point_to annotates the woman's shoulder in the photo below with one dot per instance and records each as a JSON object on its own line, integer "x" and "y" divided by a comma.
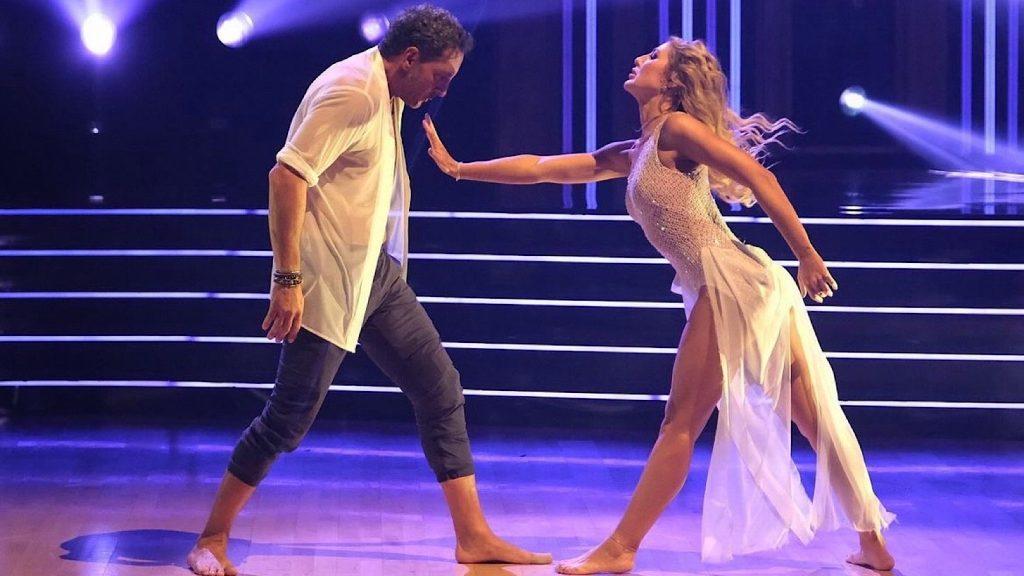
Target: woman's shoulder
{"x": 680, "y": 134}
{"x": 680, "y": 125}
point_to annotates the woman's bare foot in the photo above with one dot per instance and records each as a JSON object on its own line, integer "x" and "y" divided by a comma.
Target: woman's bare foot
{"x": 490, "y": 549}
{"x": 873, "y": 553}
{"x": 209, "y": 557}
{"x": 610, "y": 557}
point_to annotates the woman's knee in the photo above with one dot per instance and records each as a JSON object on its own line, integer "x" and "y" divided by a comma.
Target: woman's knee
{"x": 678, "y": 425}
{"x": 803, "y": 409}
{"x": 809, "y": 430}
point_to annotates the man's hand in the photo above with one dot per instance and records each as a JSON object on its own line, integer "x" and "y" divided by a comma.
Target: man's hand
{"x": 284, "y": 319}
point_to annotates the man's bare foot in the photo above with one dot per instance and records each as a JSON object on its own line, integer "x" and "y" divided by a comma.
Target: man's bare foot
{"x": 610, "y": 557}
{"x": 209, "y": 557}
{"x": 490, "y": 549}
{"x": 873, "y": 553}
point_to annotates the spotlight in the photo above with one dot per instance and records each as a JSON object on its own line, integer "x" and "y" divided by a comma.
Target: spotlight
{"x": 853, "y": 100}
{"x": 373, "y": 27}
{"x": 234, "y": 29}
{"x": 98, "y": 34}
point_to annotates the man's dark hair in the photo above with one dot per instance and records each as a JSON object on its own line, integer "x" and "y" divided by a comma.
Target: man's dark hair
{"x": 435, "y": 31}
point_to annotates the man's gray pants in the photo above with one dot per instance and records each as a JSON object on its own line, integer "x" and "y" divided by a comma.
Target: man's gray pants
{"x": 401, "y": 340}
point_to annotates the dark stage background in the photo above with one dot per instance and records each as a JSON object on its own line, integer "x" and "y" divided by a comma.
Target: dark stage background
{"x": 184, "y": 119}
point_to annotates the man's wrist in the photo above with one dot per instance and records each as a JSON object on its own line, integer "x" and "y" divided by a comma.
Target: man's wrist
{"x": 287, "y": 278}
{"x": 806, "y": 252}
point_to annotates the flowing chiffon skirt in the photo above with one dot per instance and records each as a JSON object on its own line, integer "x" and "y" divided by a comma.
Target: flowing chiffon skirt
{"x": 754, "y": 498}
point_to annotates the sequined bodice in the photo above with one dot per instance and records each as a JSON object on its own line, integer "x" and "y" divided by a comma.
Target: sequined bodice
{"x": 676, "y": 211}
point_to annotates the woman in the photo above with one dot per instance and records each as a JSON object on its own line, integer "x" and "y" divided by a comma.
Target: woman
{"x": 748, "y": 345}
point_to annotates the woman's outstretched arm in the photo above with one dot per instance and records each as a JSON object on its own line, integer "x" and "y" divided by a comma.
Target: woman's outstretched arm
{"x": 611, "y": 161}
{"x": 696, "y": 141}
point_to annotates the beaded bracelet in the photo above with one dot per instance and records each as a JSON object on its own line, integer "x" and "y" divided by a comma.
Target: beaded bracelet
{"x": 287, "y": 279}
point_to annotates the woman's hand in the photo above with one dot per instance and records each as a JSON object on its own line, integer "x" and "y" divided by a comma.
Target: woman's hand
{"x": 438, "y": 152}
{"x": 814, "y": 279}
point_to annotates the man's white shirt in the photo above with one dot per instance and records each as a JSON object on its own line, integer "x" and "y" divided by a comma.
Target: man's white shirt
{"x": 345, "y": 141}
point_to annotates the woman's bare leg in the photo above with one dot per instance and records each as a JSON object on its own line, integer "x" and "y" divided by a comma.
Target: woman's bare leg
{"x": 689, "y": 408}
{"x": 873, "y": 552}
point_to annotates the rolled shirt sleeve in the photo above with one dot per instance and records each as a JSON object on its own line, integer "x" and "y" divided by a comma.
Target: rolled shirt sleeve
{"x": 335, "y": 121}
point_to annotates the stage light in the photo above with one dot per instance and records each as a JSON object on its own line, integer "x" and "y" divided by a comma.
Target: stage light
{"x": 853, "y": 100}
{"x": 944, "y": 144}
{"x": 233, "y": 29}
{"x": 98, "y": 34}
{"x": 373, "y": 27}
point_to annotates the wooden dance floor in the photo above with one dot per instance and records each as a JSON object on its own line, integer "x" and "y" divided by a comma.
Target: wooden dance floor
{"x": 128, "y": 500}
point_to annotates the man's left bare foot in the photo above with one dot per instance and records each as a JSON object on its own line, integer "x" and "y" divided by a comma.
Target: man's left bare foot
{"x": 209, "y": 557}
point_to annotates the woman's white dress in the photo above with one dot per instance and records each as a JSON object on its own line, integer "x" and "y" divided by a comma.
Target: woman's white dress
{"x": 754, "y": 497}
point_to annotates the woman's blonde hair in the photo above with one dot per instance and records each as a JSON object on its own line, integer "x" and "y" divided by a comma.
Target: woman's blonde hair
{"x": 696, "y": 85}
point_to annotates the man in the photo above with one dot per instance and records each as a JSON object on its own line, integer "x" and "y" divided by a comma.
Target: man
{"x": 338, "y": 193}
